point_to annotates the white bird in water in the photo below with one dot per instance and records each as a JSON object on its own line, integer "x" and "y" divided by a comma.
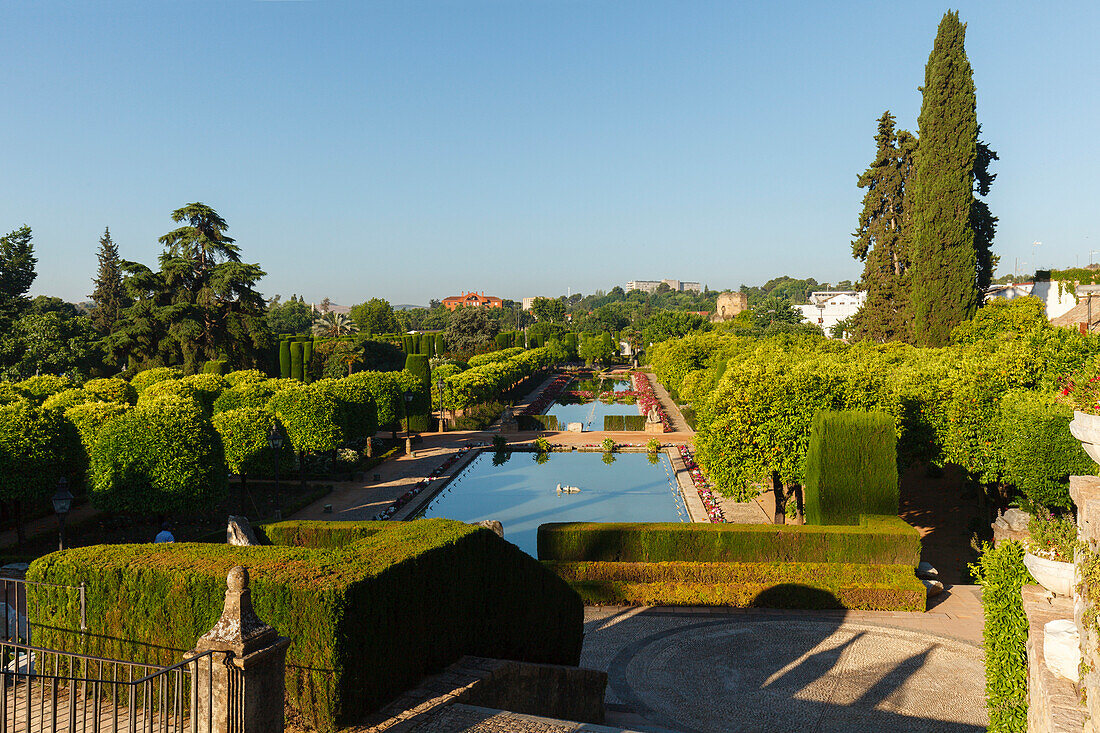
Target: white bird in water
{"x": 568, "y": 489}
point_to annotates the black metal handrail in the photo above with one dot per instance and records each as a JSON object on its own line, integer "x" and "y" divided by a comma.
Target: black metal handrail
{"x": 15, "y": 596}
{"x": 135, "y": 696}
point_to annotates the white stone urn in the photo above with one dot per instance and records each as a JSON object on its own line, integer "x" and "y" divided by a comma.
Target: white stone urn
{"x": 1054, "y": 575}
{"x": 1086, "y": 428}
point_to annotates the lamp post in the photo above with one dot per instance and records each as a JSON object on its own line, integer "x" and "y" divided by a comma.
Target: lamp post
{"x": 275, "y": 442}
{"x": 409, "y": 395}
{"x": 62, "y": 503}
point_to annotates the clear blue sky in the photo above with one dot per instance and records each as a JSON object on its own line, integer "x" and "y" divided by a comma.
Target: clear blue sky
{"x": 412, "y": 149}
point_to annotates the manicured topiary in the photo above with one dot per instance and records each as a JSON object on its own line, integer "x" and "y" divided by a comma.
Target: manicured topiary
{"x": 310, "y": 417}
{"x": 216, "y": 366}
{"x": 1001, "y": 573}
{"x": 366, "y": 622}
{"x": 851, "y": 467}
{"x": 207, "y": 388}
{"x": 66, "y": 399}
{"x": 296, "y": 363}
{"x": 170, "y": 388}
{"x": 37, "y": 447}
{"x": 357, "y": 414}
{"x": 876, "y": 540}
{"x": 284, "y": 359}
{"x": 244, "y": 434}
{"x": 90, "y": 417}
{"x": 163, "y": 457}
{"x": 440, "y": 345}
{"x": 421, "y": 407}
{"x": 248, "y": 394}
{"x": 112, "y": 390}
{"x": 39, "y": 387}
{"x": 307, "y": 359}
{"x": 9, "y": 394}
{"x": 143, "y": 379}
{"x": 743, "y": 585}
{"x": 387, "y": 389}
{"x": 322, "y": 535}
{"x": 245, "y": 376}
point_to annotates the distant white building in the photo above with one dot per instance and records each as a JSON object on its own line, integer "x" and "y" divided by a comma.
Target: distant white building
{"x": 650, "y": 286}
{"x": 829, "y": 307}
{"x": 529, "y": 303}
{"x": 1058, "y": 301}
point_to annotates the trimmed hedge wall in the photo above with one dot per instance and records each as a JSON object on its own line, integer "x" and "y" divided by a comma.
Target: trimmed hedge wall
{"x": 366, "y": 623}
{"x": 538, "y": 422}
{"x": 877, "y": 540}
{"x": 325, "y": 535}
{"x": 744, "y": 585}
{"x": 1001, "y": 573}
{"x": 851, "y": 467}
{"x": 624, "y": 422}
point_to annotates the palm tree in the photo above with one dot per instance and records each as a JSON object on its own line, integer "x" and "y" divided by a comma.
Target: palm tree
{"x": 334, "y": 324}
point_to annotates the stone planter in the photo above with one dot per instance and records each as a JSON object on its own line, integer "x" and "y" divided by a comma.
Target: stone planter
{"x": 1055, "y": 576}
{"x": 1086, "y": 428}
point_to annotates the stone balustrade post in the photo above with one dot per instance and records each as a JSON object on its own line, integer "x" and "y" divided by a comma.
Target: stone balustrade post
{"x": 247, "y": 676}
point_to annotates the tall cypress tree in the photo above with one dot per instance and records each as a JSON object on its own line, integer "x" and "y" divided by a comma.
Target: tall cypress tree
{"x": 109, "y": 296}
{"x": 882, "y": 241}
{"x": 945, "y": 270}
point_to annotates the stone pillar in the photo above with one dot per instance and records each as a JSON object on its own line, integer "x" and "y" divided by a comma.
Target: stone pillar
{"x": 248, "y": 670}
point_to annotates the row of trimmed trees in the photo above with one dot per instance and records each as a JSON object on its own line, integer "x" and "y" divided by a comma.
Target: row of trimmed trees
{"x": 163, "y": 442}
{"x": 988, "y": 403}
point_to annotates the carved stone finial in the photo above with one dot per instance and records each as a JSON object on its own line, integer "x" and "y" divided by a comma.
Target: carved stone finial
{"x": 237, "y": 580}
{"x": 238, "y": 630}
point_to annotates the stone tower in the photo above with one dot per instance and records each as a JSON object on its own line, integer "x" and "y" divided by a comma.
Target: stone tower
{"x": 729, "y": 305}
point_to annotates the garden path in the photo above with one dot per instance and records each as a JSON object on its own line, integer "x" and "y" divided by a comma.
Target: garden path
{"x": 46, "y": 525}
{"x": 679, "y": 424}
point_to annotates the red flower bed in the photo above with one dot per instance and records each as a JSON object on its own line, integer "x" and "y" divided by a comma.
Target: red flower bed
{"x": 647, "y": 399}
{"x": 706, "y": 493}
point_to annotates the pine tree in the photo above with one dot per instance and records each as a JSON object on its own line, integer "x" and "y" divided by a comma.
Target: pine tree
{"x": 109, "y": 296}
{"x": 201, "y": 305}
{"x": 881, "y": 240}
{"x": 945, "y": 271}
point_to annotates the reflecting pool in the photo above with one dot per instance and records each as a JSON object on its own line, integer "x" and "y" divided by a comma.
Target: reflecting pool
{"x": 591, "y": 413}
{"x": 521, "y": 493}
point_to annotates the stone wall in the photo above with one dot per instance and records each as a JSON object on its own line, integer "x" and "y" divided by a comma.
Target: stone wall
{"x": 1057, "y": 704}
{"x": 546, "y": 690}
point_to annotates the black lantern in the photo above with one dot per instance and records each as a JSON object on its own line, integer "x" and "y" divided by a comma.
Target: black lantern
{"x": 62, "y": 503}
{"x": 274, "y": 438}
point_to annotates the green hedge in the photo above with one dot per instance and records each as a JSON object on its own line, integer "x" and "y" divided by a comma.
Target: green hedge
{"x": 216, "y": 366}
{"x": 538, "y": 422}
{"x": 1001, "y": 573}
{"x": 851, "y": 467}
{"x": 624, "y": 422}
{"x": 744, "y": 585}
{"x": 876, "y": 540}
{"x": 326, "y": 535}
{"x": 366, "y": 622}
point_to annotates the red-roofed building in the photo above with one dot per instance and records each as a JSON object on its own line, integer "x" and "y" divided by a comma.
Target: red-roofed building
{"x": 472, "y": 300}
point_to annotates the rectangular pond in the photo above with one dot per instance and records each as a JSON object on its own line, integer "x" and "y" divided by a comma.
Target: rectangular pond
{"x": 520, "y": 492}
{"x": 591, "y": 413}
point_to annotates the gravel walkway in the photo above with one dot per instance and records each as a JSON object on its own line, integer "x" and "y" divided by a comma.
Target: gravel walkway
{"x": 697, "y": 670}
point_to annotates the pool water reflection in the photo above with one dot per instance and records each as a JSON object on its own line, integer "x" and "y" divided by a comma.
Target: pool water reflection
{"x": 521, "y": 493}
{"x": 591, "y": 414}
